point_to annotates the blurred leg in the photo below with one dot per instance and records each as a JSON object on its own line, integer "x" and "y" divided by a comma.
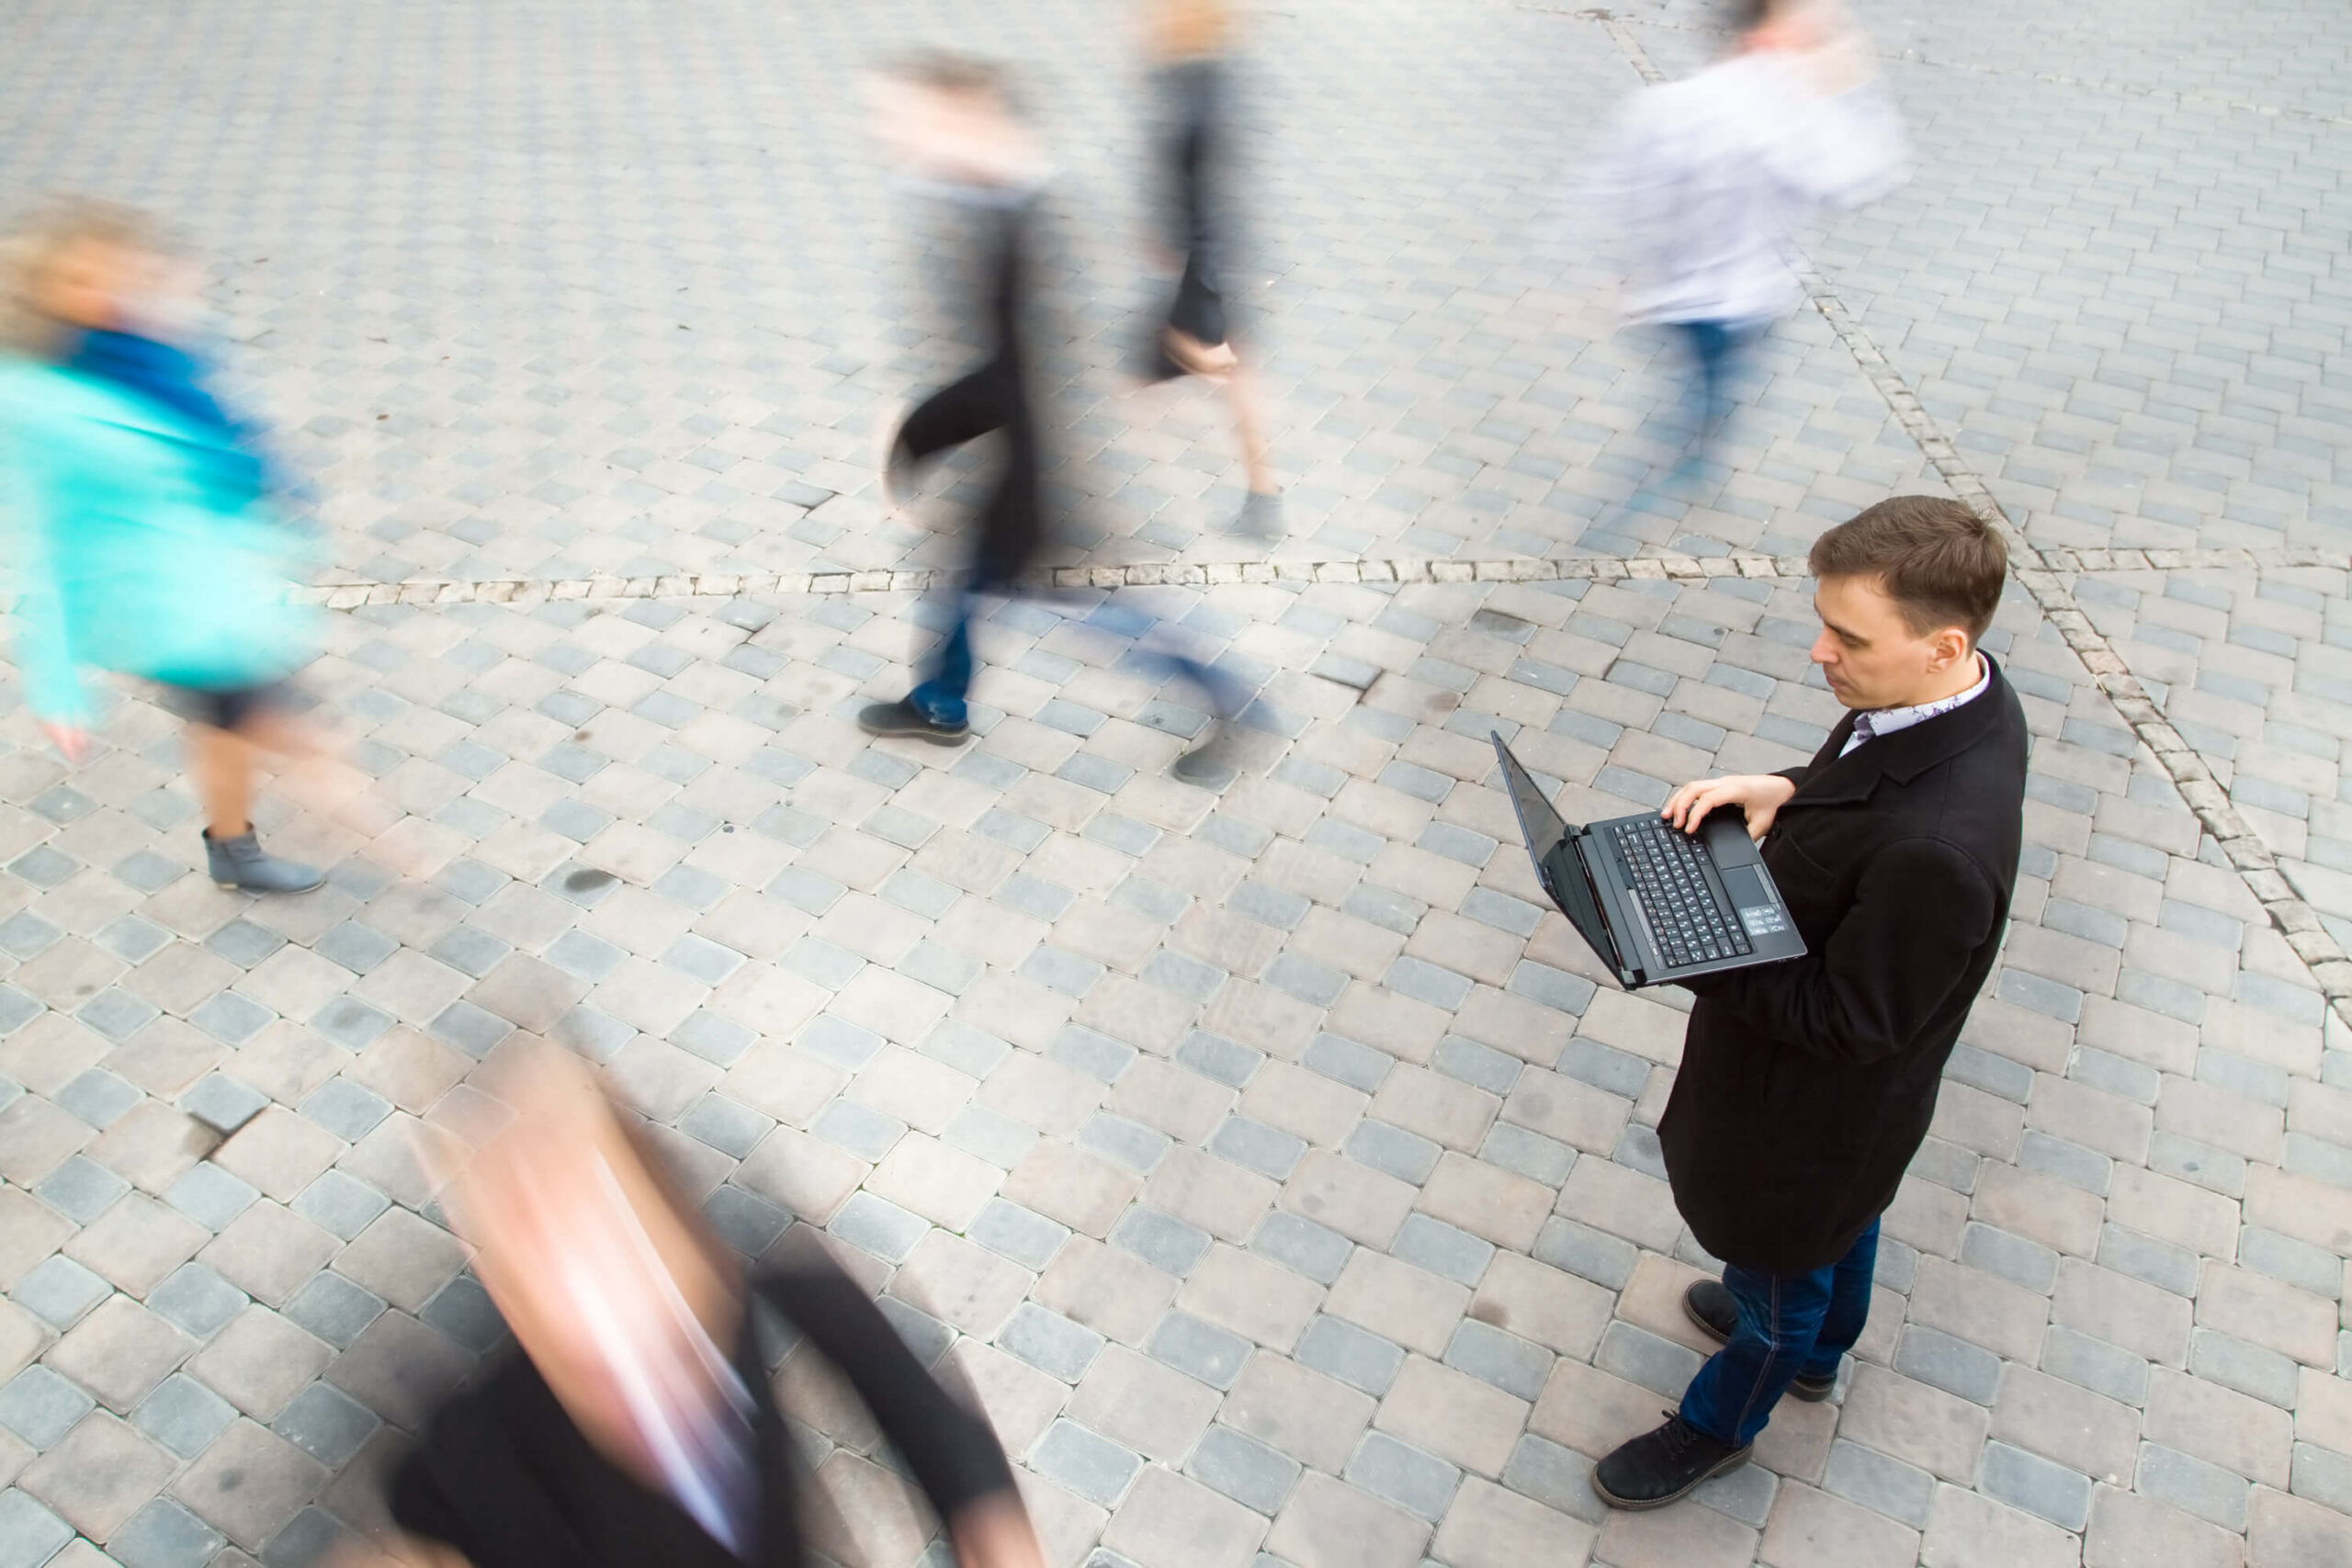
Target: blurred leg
{"x": 960, "y": 411}
{"x": 1242, "y": 393}
{"x": 940, "y": 697}
{"x": 220, "y": 769}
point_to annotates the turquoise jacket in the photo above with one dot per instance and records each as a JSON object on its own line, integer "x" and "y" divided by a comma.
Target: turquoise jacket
{"x": 130, "y": 554}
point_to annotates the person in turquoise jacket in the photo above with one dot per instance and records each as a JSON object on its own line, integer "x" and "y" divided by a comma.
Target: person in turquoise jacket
{"x": 145, "y": 537}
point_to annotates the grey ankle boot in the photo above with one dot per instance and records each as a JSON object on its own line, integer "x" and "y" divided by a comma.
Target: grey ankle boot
{"x": 239, "y": 863}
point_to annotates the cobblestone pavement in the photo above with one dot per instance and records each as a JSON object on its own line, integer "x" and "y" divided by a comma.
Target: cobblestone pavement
{"x": 1276, "y": 1170}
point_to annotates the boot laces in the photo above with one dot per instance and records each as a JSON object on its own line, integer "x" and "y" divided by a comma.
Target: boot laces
{"x": 1678, "y": 1435}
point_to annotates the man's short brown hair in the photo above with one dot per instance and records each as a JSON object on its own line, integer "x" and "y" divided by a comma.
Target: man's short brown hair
{"x": 1941, "y": 564}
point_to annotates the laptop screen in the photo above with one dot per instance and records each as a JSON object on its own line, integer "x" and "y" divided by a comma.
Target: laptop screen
{"x": 1542, "y": 825}
{"x": 1545, "y": 830}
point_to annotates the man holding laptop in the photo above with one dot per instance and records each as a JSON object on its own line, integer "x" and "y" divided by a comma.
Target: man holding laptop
{"x": 1833, "y": 973}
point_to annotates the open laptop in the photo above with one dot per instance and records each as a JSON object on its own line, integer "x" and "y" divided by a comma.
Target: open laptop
{"x": 1654, "y": 903}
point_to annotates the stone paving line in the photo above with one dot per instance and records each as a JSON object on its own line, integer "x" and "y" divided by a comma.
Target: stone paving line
{"x": 1195, "y": 574}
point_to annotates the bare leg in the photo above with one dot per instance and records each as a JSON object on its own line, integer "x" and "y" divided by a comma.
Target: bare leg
{"x": 1242, "y": 393}
{"x": 221, "y": 766}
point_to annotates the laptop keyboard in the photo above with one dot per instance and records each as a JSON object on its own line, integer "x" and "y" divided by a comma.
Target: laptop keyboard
{"x": 1686, "y": 919}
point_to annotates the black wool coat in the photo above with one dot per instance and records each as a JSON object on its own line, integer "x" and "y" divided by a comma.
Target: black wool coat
{"x": 504, "y": 1476}
{"x": 1807, "y": 1087}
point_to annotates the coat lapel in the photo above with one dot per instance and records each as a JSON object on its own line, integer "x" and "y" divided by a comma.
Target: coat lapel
{"x": 1833, "y": 780}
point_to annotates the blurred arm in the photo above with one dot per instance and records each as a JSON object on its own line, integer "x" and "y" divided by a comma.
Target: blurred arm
{"x": 44, "y": 640}
{"x": 953, "y": 1451}
{"x": 1842, "y": 149}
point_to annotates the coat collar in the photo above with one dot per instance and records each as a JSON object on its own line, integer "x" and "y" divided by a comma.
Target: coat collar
{"x": 1903, "y": 755}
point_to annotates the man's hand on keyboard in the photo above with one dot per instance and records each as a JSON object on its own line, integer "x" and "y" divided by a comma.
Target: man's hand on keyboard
{"x": 1758, "y": 795}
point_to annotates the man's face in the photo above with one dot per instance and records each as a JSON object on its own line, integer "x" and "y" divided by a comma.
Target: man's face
{"x": 1871, "y": 657}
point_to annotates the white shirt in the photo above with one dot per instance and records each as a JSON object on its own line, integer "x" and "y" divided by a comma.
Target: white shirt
{"x": 1707, "y": 178}
{"x": 1869, "y": 726}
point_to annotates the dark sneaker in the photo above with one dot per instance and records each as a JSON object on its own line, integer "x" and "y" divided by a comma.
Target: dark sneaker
{"x": 239, "y": 864}
{"x": 904, "y": 719}
{"x": 1708, "y": 1304}
{"x": 1659, "y": 1467}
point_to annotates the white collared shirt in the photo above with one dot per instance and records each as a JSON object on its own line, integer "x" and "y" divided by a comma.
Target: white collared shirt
{"x": 1886, "y": 721}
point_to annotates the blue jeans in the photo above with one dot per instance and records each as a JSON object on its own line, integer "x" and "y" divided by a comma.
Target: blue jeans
{"x": 1719, "y": 362}
{"x": 1788, "y": 1324}
{"x": 940, "y": 697}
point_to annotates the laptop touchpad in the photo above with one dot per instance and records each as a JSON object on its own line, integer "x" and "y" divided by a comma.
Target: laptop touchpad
{"x": 1757, "y": 910}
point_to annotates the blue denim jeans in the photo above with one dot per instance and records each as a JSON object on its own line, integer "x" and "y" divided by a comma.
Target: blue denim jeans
{"x": 1720, "y": 365}
{"x": 1788, "y": 1324}
{"x": 940, "y": 697}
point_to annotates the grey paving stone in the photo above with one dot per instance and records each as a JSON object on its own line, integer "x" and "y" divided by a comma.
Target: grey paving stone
{"x": 1442, "y": 1249}
{"x": 1087, "y": 1463}
{"x": 1418, "y": 1482}
{"x": 30, "y": 1534}
{"x": 333, "y": 1308}
{"x": 1243, "y": 1469}
{"x": 1393, "y": 1151}
{"x": 2143, "y": 1257}
{"x": 40, "y": 1406}
{"x": 1883, "y": 1484}
{"x": 210, "y": 1196}
{"x": 1049, "y": 1341}
{"x": 878, "y": 1226}
{"x": 1343, "y": 1350}
{"x": 60, "y": 1292}
{"x": 80, "y": 1190}
{"x": 2249, "y": 1368}
{"x": 1199, "y": 1349}
{"x": 1302, "y": 1245}
{"x": 162, "y": 1534}
{"x": 2192, "y": 1486}
{"x": 1559, "y": 1478}
{"x": 2013, "y": 1258}
{"x": 184, "y": 1416}
{"x": 1604, "y": 1259}
{"x": 2033, "y": 1484}
{"x": 2323, "y": 1475}
{"x": 2094, "y": 1364}
{"x": 1640, "y": 1356}
{"x": 197, "y": 1300}
{"x": 1954, "y": 1365}
{"x": 462, "y": 1310}
{"x": 1517, "y": 1365}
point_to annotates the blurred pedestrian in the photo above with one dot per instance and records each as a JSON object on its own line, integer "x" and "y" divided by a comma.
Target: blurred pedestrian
{"x": 146, "y": 537}
{"x": 1706, "y": 180}
{"x": 952, "y": 125}
{"x": 1188, "y": 41}
{"x": 951, "y": 122}
{"x": 633, "y": 1421}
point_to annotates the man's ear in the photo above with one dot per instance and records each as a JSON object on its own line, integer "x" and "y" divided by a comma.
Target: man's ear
{"x": 1951, "y": 646}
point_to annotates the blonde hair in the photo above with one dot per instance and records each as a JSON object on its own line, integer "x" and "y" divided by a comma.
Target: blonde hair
{"x": 30, "y": 254}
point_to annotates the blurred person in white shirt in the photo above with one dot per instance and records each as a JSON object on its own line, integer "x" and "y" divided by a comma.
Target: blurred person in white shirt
{"x": 1703, "y": 182}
